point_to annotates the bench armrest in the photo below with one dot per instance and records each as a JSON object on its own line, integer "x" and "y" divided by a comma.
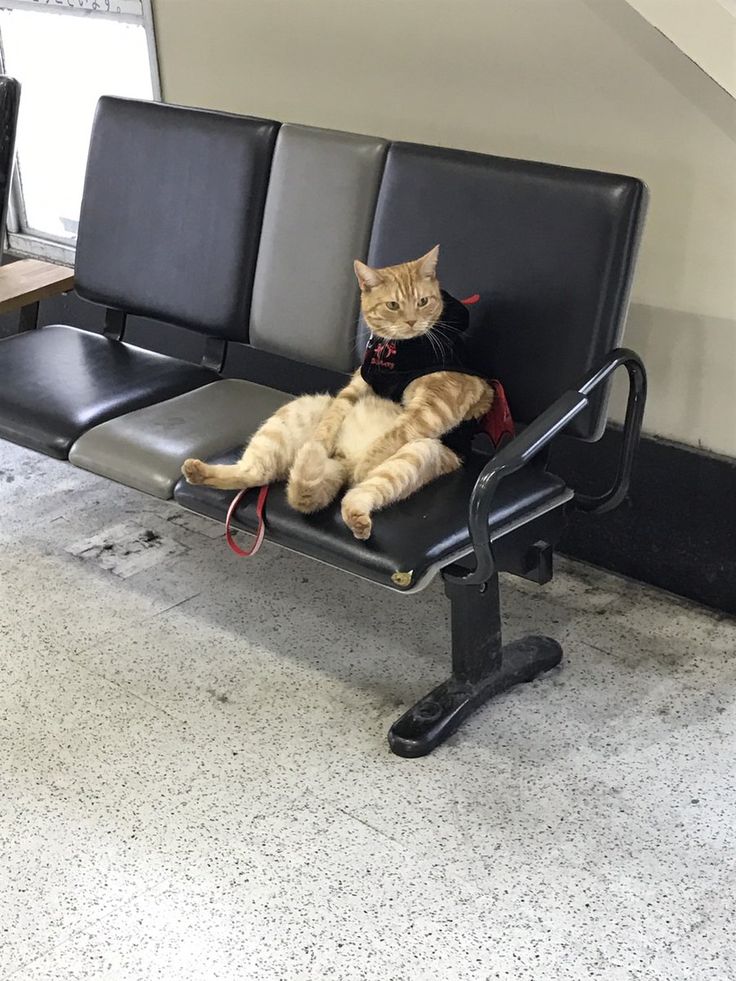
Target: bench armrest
{"x": 537, "y": 435}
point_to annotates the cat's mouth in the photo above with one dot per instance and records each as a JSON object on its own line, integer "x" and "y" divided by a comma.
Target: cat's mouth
{"x": 400, "y": 332}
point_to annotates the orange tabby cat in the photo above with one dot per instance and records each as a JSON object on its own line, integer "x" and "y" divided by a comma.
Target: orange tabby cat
{"x": 384, "y": 450}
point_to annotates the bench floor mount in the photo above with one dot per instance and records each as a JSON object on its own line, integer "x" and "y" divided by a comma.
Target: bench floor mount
{"x": 481, "y": 668}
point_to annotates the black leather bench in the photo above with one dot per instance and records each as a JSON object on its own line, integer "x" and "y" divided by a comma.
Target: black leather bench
{"x": 244, "y": 231}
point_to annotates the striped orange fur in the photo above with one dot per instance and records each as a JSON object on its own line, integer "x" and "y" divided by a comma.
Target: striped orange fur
{"x": 382, "y": 451}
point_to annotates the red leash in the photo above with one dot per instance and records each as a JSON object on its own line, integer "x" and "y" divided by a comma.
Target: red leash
{"x": 260, "y": 532}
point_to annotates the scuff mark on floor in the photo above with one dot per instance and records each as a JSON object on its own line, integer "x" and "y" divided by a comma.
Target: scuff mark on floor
{"x": 218, "y": 696}
{"x": 126, "y": 549}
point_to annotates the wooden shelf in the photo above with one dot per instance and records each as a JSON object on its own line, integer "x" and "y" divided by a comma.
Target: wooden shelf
{"x": 30, "y": 280}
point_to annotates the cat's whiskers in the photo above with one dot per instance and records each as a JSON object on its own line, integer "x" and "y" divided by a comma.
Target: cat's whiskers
{"x": 446, "y": 340}
{"x": 437, "y": 346}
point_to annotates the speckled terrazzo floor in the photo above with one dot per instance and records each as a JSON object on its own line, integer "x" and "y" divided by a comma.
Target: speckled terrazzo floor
{"x": 195, "y": 785}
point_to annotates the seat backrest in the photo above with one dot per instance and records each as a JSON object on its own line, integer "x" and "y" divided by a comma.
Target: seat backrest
{"x": 550, "y": 250}
{"x": 171, "y": 213}
{"x": 186, "y": 213}
{"x": 319, "y": 212}
{"x": 9, "y": 103}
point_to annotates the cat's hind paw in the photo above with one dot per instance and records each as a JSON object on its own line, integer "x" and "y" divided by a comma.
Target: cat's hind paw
{"x": 356, "y": 515}
{"x": 306, "y": 498}
{"x": 195, "y": 471}
{"x": 315, "y": 479}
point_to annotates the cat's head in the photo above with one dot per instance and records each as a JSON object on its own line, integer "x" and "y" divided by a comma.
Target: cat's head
{"x": 400, "y": 302}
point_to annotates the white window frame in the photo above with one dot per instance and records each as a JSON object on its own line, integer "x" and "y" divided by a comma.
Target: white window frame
{"x": 25, "y": 243}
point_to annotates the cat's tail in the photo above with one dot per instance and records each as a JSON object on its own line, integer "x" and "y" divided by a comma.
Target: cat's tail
{"x": 315, "y": 479}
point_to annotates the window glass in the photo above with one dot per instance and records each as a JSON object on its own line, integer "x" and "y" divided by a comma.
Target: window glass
{"x": 64, "y": 63}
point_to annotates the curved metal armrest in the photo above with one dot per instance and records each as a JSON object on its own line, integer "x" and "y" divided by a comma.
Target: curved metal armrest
{"x": 539, "y": 434}
{"x": 621, "y": 357}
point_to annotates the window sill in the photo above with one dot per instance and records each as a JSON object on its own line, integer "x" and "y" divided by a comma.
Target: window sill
{"x": 31, "y": 246}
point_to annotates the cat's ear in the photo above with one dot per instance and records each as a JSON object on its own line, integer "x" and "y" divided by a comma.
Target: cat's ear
{"x": 427, "y": 265}
{"x": 367, "y": 277}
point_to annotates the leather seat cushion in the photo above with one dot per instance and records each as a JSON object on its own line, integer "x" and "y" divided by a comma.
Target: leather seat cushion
{"x": 146, "y": 448}
{"x": 419, "y": 535}
{"x": 58, "y": 382}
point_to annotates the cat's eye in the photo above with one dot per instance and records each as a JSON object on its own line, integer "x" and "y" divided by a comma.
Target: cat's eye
{"x": 423, "y": 301}
{"x": 392, "y": 304}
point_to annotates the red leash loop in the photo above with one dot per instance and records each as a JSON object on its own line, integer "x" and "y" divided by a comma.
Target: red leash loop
{"x": 260, "y": 532}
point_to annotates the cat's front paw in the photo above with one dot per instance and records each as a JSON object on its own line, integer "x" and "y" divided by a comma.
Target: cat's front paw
{"x": 356, "y": 515}
{"x": 195, "y": 471}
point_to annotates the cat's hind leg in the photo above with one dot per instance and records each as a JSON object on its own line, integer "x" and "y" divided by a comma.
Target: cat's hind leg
{"x": 271, "y": 451}
{"x": 315, "y": 478}
{"x": 414, "y": 465}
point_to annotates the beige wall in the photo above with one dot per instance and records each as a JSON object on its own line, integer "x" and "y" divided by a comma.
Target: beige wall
{"x": 704, "y": 29}
{"x": 582, "y": 82}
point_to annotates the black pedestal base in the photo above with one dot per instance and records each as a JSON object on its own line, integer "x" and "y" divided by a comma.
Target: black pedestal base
{"x": 440, "y": 713}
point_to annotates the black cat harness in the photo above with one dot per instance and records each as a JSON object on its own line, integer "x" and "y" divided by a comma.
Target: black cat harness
{"x": 389, "y": 367}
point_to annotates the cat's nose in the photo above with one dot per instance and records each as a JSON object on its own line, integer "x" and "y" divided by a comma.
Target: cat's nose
{"x": 410, "y": 323}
